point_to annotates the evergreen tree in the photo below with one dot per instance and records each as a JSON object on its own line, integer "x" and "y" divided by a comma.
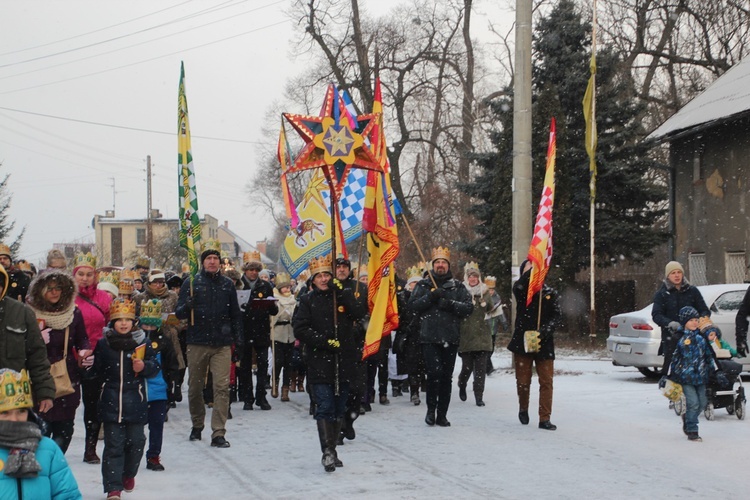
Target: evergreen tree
{"x": 626, "y": 209}
{"x": 6, "y": 224}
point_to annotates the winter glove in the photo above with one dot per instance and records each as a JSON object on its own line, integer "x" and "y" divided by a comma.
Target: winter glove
{"x": 445, "y": 304}
{"x": 333, "y": 345}
{"x": 673, "y": 326}
{"x": 741, "y": 348}
{"x": 437, "y": 294}
{"x": 189, "y": 302}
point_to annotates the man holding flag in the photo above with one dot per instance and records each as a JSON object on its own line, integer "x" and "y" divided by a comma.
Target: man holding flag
{"x": 537, "y": 308}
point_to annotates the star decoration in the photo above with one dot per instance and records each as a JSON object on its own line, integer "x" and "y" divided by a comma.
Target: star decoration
{"x": 334, "y": 147}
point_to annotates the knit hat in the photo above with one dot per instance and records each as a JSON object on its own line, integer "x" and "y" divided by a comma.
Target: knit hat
{"x": 672, "y": 266}
{"x": 687, "y": 313}
{"x": 264, "y": 274}
{"x": 151, "y": 312}
{"x": 15, "y": 390}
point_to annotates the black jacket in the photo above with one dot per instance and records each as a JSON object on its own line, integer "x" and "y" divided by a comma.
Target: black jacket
{"x": 441, "y": 319}
{"x": 313, "y": 325}
{"x": 123, "y": 398}
{"x": 668, "y": 301}
{"x": 257, "y": 320}
{"x": 740, "y": 322}
{"x": 527, "y": 318}
{"x": 216, "y": 318}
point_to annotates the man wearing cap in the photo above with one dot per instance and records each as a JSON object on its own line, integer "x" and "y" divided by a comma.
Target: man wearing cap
{"x": 19, "y": 282}
{"x": 209, "y": 303}
{"x": 674, "y": 293}
{"x": 22, "y": 346}
{"x": 256, "y": 316}
{"x": 441, "y": 302}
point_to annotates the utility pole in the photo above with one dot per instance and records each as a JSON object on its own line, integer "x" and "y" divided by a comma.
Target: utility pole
{"x": 114, "y": 194}
{"x": 521, "y": 238}
{"x": 149, "y": 220}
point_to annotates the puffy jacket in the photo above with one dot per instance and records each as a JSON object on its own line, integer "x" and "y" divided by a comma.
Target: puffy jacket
{"x": 257, "y": 320}
{"x": 527, "y": 318}
{"x": 668, "y": 301}
{"x": 167, "y": 359}
{"x": 55, "y": 481}
{"x": 123, "y": 397}
{"x": 693, "y": 359}
{"x": 313, "y": 325}
{"x": 216, "y": 316}
{"x": 94, "y": 305}
{"x": 441, "y": 320}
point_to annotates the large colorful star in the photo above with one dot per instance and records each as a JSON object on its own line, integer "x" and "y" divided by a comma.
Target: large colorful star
{"x": 332, "y": 144}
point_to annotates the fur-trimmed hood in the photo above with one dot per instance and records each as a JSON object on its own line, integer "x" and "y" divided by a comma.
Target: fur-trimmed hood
{"x": 37, "y": 287}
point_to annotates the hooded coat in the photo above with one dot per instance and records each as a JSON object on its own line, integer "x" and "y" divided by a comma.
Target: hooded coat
{"x": 441, "y": 319}
{"x": 61, "y": 317}
{"x": 21, "y": 343}
{"x": 94, "y": 305}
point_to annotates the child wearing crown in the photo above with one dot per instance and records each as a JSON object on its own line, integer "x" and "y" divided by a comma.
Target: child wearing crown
{"x": 158, "y": 385}
{"x": 123, "y": 362}
{"x": 32, "y": 465}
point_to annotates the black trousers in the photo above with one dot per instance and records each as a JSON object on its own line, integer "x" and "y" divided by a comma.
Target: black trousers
{"x": 439, "y": 361}
{"x": 245, "y": 373}
{"x": 61, "y": 432}
{"x": 283, "y": 359}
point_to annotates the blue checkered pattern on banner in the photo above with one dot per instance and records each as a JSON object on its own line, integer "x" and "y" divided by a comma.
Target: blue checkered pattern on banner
{"x": 352, "y": 202}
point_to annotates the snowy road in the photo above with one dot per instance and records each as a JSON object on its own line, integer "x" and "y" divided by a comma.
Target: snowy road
{"x": 615, "y": 438}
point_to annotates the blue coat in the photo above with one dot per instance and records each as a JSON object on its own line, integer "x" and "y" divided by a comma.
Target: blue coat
{"x": 55, "y": 480}
{"x": 123, "y": 398}
{"x": 157, "y": 385}
{"x": 693, "y": 359}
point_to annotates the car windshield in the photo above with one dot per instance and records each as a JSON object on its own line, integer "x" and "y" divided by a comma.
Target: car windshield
{"x": 729, "y": 301}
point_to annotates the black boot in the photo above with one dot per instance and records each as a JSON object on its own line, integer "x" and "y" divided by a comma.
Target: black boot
{"x": 442, "y": 421}
{"x": 327, "y": 444}
{"x": 262, "y": 402}
{"x": 478, "y": 398}
{"x": 337, "y": 432}
{"x": 348, "y": 428}
{"x": 429, "y": 419}
{"x": 92, "y": 437}
{"x": 462, "y": 392}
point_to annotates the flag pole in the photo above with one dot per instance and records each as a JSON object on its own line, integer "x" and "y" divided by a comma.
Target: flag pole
{"x": 421, "y": 255}
{"x": 333, "y": 265}
{"x": 592, "y": 181}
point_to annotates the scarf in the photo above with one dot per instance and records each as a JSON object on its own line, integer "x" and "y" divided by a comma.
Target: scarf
{"x": 120, "y": 342}
{"x": 156, "y": 293}
{"x": 57, "y": 320}
{"x": 22, "y": 440}
{"x": 88, "y": 291}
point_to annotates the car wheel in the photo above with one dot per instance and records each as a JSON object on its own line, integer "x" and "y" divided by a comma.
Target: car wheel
{"x": 739, "y": 409}
{"x": 654, "y": 373}
{"x": 679, "y": 406}
{"x": 709, "y": 411}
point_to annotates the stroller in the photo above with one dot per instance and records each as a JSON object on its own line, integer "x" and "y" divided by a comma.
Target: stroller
{"x": 722, "y": 393}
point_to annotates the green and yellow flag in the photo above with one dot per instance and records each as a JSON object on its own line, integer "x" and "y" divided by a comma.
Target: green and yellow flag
{"x": 589, "y": 114}
{"x": 190, "y": 222}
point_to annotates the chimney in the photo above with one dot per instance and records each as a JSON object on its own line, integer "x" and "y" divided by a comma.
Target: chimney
{"x": 261, "y": 246}
{"x": 226, "y": 224}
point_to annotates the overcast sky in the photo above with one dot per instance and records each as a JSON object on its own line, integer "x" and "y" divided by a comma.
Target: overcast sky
{"x": 88, "y": 89}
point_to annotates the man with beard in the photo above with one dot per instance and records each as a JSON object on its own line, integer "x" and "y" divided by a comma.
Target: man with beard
{"x": 18, "y": 286}
{"x": 441, "y": 303}
{"x": 257, "y": 327}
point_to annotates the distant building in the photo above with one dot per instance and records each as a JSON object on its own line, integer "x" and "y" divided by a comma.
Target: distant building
{"x": 234, "y": 246}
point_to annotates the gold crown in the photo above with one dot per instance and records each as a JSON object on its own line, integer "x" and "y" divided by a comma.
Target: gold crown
{"x": 185, "y": 267}
{"x": 413, "y": 272}
{"x": 5, "y": 250}
{"x": 304, "y": 275}
{"x": 212, "y": 244}
{"x": 24, "y": 266}
{"x": 490, "y": 281}
{"x": 15, "y": 390}
{"x": 122, "y": 308}
{"x": 125, "y": 287}
{"x": 704, "y": 323}
{"x": 109, "y": 277}
{"x": 441, "y": 253}
{"x": 321, "y": 264}
{"x": 251, "y": 256}
{"x": 282, "y": 280}
{"x": 471, "y": 266}
{"x": 151, "y": 312}
{"x": 87, "y": 260}
{"x": 128, "y": 275}
{"x": 144, "y": 262}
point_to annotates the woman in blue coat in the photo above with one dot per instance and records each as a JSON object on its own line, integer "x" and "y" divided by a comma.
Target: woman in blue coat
{"x": 31, "y": 466}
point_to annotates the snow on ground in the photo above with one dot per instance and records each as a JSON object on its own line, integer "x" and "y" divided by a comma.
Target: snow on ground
{"x": 616, "y": 438}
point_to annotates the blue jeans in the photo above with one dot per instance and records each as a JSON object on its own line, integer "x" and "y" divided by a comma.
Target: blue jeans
{"x": 695, "y": 397}
{"x": 328, "y": 406}
{"x": 157, "y": 411}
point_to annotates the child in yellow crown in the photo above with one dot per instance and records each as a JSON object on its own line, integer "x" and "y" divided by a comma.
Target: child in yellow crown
{"x": 123, "y": 363}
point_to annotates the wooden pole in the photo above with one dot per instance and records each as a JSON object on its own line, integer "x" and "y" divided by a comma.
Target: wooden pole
{"x": 416, "y": 244}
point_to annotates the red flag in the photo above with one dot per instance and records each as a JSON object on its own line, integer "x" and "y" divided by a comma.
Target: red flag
{"x": 540, "y": 250}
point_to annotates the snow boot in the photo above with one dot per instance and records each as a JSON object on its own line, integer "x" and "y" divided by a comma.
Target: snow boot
{"x": 442, "y": 420}
{"x": 275, "y": 390}
{"x": 429, "y": 419}
{"x": 547, "y": 425}
{"x": 293, "y": 382}
{"x": 693, "y": 436}
{"x": 92, "y": 437}
{"x": 327, "y": 439}
{"x": 154, "y": 463}
{"x": 478, "y": 398}
{"x": 523, "y": 416}
{"x": 462, "y": 392}
{"x": 337, "y": 432}
{"x": 285, "y": 393}
{"x": 300, "y": 383}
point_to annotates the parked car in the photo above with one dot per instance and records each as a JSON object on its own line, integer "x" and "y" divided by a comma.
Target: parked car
{"x": 634, "y": 338}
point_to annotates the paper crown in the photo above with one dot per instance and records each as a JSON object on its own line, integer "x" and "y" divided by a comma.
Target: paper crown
{"x": 128, "y": 275}
{"x": 185, "y": 267}
{"x": 126, "y": 287}
{"x": 413, "y": 272}
{"x": 251, "y": 256}
{"x": 24, "y": 266}
{"x": 704, "y": 323}
{"x": 15, "y": 390}
{"x": 304, "y": 275}
{"x": 5, "y": 250}
{"x": 122, "y": 308}
{"x": 151, "y": 312}
{"x": 109, "y": 281}
{"x": 84, "y": 260}
{"x": 441, "y": 253}
{"x": 321, "y": 264}
{"x": 212, "y": 244}
{"x": 471, "y": 267}
{"x": 282, "y": 280}
{"x": 490, "y": 281}
{"x": 143, "y": 262}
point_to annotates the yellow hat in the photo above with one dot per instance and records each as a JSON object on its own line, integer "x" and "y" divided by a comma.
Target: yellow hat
{"x": 122, "y": 309}
{"x": 84, "y": 260}
{"x": 441, "y": 253}
{"x": 15, "y": 390}
{"x": 322, "y": 264}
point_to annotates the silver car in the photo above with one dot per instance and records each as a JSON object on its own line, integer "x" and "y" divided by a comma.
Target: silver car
{"x": 634, "y": 338}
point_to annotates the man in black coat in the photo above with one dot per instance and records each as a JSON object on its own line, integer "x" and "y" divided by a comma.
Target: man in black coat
{"x": 209, "y": 303}
{"x": 18, "y": 285}
{"x": 441, "y": 302}
{"x": 674, "y": 294}
{"x": 741, "y": 324}
{"x": 323, "y": 321}
{"x": 529, "y": 319}
{"x": 256, "y": 316}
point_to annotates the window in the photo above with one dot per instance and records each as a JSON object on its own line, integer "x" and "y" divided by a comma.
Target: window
{"x": 697, "y": 268}
{"x": 140, "y": 237}
{"x": 729, "y": 301}
{"x": 734, "y": 267}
